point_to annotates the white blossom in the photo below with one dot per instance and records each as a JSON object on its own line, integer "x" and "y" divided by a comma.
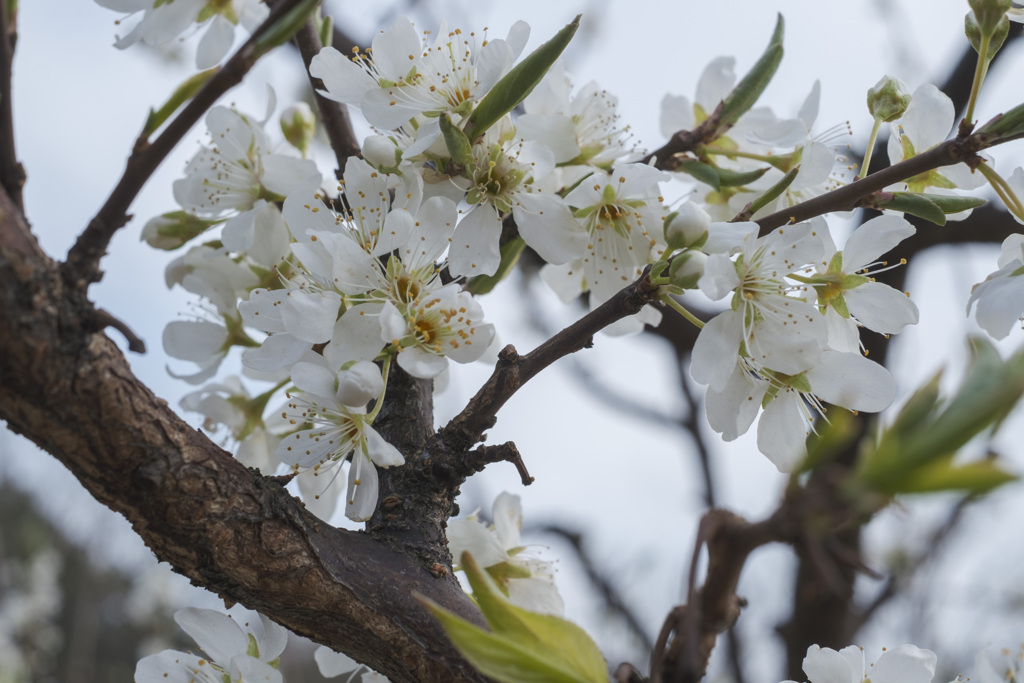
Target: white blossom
{"x": 163, "y": 22}
{"x": 239, "y": 653}
{"x": 527, "y": 581}
{"x": 903, "y": 664}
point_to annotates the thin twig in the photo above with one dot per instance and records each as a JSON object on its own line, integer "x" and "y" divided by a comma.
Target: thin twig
{"x": 82, "y": 265}
{"x": 105, "y": 319}
{"x": 506, "y": 452}
{"x": 12, "y": 173}
{"x": 333, "y": 115}
{"x": 513, "y": 371}
{"x": 848, "y": 197}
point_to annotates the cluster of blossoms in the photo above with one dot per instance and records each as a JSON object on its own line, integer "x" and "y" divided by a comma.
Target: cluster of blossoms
{"x": 324, "y": 290}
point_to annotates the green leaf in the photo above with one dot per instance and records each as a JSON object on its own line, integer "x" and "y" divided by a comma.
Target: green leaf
{"x": 915, "y": 204}
{"x": 496, "y": 656}
{"x": 748, "y": 90}
{"x": 705, "y": 173}
{"x": 285, "y": 27}
{"x": 929, "y": 431}
{"x": 459, "y": 146}
{"x": 942, "y": 475}
{"x": 510, "y": 252}
{"x": 1006, "y": 124}
{"x": 954, "y": 203}
{"x": 727, "y": 178}
{"x": 184, "y": 92}
{"x": 773, "y": 192}
{"x": 519, "y": 82}
{"x": 523, "y": 646}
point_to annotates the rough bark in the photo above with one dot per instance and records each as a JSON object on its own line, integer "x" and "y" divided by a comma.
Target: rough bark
{"x": 67, "y": 387}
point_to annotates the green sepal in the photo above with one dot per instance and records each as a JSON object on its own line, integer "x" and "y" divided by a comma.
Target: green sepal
{"x": 176, "y": 229}
{"x": 989, "y": 13}
{"x": 838, "y": 305}
{"x": 657, "y": 268}
{"x": 519, "y": 82}
{"x": 974, "y": 31}
{"x": 253, "y": 649}
{"x": 184, "y": 92}
{"x": 748, "y": 90}
{"x": 915, "y": 204}
{"x": 852, "y": 280}
{"x": 682, "y": 273}
{"x": 510, "y": 252}
{"x": 522, "y": 646}
{"x": 459, "y": 146}
{"x": 285, "y": 27}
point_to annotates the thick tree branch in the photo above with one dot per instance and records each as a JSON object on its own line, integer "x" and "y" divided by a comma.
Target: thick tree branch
{"x": 224, "y": 526}
{"x": 82, "y": 265}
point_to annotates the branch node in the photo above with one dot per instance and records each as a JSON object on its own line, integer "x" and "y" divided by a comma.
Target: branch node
{"x": 105, "y": 319}
{"x": 506, "y": 452}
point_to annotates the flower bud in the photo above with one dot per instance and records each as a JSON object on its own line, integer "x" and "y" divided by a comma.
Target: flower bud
{"x": 382, "y": 153}
{"x": 687, "y": 268}
{"x": 173, "y": 229}
{"x": 688, "y": 227}
{"x": 889, "y": 99}
{"x": 298, "y": 125}
{"x": 989, "y": 13}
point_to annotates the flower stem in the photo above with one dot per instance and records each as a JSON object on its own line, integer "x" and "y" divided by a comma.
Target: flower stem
{"x": 1003, "y": 190}
{"x": 678, "y": 308}
{"x": 979, "y": 75}
{"x": 869, "y": 149}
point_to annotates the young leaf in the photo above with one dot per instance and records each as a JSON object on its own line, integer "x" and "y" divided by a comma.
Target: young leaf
{"x": 459, "y": 146}
{"x": 748, "y": 90}
{"x": 919, "y": 205}
{"x": 523, "y": 646}
{"x": 519, "y": 82}
{"x": 184, "y": 92}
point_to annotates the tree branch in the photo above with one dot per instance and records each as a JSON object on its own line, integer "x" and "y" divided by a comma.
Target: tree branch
{"x": 224, "y": 526}
{"x": 82, "y": 265}
{"x": 513, "y": 371}
{"x": 334, "y": 115}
